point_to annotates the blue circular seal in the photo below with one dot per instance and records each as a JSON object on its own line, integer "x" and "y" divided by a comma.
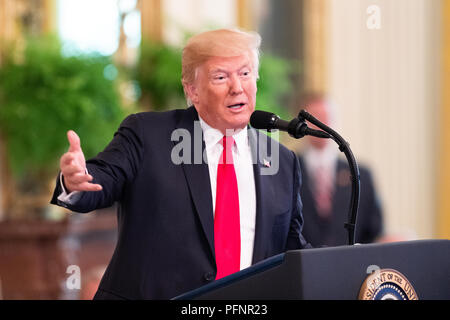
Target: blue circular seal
{"x": 389, "y": 291}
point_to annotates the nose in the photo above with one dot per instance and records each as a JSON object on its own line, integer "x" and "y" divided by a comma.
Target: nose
{"x": 235, "y": 86}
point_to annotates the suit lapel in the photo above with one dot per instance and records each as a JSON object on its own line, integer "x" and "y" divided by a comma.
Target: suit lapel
{"x": 263, "y": 205}
{"x": 197, "y": 176}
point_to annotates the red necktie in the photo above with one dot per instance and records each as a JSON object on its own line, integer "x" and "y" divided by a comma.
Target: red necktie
{"x": 227, "y": 233}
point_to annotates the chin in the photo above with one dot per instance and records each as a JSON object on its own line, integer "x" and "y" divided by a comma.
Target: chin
{"x": 238, "y": 121}
{"x": 240, "y": 124}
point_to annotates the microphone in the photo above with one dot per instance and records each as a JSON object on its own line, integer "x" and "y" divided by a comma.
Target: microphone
{"x": 296, "y": 128}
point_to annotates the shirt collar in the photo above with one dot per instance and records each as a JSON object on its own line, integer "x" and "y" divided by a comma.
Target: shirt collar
{"x": 213, "y": 136}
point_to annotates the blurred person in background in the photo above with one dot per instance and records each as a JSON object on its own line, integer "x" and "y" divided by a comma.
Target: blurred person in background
{"x": 326, "y": 187}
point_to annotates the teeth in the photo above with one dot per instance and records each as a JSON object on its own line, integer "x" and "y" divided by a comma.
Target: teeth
{"x": 236, "y": 106}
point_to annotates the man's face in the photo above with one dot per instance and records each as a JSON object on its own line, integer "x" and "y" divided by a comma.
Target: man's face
{"x": 224, "y": 92}
{"x": 320, "y": 110}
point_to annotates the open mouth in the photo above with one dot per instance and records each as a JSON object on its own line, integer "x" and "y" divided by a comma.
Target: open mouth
{"x": 236, "y": 106}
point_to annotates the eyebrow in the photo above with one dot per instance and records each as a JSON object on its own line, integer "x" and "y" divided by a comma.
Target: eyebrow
{"x": 217, "y": 70}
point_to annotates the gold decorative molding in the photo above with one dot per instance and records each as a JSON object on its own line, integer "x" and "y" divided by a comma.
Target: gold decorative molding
{"x": 443, "y": 198}
{"x": 244, "y": 14}
{"x": 49, "y": 23}
{"x": 9, "y": 26}
{"x": 151, "y": 19}
{"x": 316, "y": 16}
{"x": 13, "y": 13}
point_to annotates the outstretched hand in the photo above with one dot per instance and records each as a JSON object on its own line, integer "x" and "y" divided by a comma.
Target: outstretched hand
{"x": 73, "y": 167}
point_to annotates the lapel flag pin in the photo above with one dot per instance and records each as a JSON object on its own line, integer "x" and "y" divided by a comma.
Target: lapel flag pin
{"x": 266, "y": 163}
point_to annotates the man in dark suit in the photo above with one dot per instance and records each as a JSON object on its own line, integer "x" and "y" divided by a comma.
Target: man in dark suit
{"x": 326, "y": 188}
{"x": 199, "y": 195}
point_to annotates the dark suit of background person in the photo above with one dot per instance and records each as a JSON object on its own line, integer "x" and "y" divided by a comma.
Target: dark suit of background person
{"x": 165, "y": 216}
{"x": 330, "y": 231}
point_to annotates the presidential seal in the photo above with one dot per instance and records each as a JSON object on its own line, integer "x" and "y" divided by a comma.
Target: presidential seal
{"x": 387, "y": 284}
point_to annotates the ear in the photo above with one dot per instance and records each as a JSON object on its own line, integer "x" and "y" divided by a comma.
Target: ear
{"x": 191, "y": 92}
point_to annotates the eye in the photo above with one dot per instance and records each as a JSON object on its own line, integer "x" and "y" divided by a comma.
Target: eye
{"x": 219, "y": 78}
{"x": 246, "y": 73}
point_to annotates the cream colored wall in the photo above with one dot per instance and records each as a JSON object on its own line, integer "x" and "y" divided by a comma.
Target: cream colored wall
{"x": 386, "y": 85}
{"x": 196, "y": 16}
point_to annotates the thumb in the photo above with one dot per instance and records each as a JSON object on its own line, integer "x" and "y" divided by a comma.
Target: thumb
{"x": 74, "y": 141}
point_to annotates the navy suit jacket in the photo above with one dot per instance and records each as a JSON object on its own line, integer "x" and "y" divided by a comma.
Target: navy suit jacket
{"x": 165, "y": 243}
{"x": 331, "y": 231}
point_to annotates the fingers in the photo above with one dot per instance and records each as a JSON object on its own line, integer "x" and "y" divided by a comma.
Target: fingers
{"x": 69, "y": 170}
{"x": 73, "y": 162}
{"x": 73, "y": 168}
{"x": 80, "y": 178}
{"x": 69, "y": 166}
{"x": 74, "y": 141}
{"x": 80, "y": 182}
{"x": 75, "y": 154}
{"x": 86, "y": 186}
{"x": 67, "y": 158}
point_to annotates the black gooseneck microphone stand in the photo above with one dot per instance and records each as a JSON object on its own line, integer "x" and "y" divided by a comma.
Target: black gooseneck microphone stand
{"x": 344, "y": 147}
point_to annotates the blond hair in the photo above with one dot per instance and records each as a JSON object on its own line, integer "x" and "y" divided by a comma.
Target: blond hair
{"x": 218, "y": 43}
